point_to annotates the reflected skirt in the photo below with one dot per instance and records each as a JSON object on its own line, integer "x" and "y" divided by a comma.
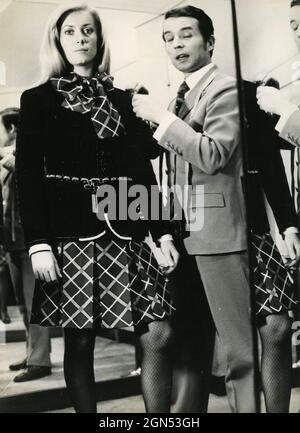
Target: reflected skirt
{"x": 274, "y": 283}
{"x": 108, "y": 283}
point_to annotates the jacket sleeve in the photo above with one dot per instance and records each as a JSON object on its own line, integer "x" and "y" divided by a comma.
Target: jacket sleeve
{"x": 158, "y": 225}
{"x": 142, "y": 134}
{"x": 291, "y": 130}
{"x": 139, "y": 131}
{"x": 30, "y": 169}
{"x": 274, "y": 180}
{"x": 211, "y": 149}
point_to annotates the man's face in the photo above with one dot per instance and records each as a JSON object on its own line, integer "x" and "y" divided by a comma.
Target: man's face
{"x": 295, "y": 24}
{"x": 4, "y": 135}
{"x": 185, "y": 45}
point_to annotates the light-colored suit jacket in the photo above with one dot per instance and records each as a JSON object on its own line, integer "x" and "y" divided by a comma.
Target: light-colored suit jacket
{"x": 291, "y": 130}
{"x": 204, "y": 150}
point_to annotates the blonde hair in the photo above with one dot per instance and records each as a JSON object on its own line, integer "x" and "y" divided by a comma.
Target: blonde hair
{"x": 53, "y": 60}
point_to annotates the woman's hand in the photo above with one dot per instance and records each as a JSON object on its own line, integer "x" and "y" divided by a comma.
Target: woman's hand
{"x": 45, "y": 266}
{"x": 292, "y": 243}
{"x": 170, "y": 254}
{"x": 271, "y": 100}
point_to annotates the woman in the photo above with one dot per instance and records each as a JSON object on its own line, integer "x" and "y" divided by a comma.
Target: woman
{"x": 76, "y": 130}
{"x": 273, "y": 279}
{"x": 273, "y": 101}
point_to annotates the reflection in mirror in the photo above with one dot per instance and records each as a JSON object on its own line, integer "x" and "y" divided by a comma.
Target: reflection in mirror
{"x": 270, "y": 57}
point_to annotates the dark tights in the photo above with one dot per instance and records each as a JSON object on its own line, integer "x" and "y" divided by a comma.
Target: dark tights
{"x": 156, "y": 367}
{"x": 79, "y": 369}
{"x": 276, "y": 362}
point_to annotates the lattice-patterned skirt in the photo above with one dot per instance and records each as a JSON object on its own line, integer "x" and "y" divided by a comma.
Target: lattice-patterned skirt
{"x": 109, "y": 284}
{"x": 273, "y": 281}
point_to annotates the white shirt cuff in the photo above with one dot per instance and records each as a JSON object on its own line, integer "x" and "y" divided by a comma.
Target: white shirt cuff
{"x": 39, "y": 247}
{"x": 285, "y": 117}
{"x": 165, "y": 238}
{"x": 290, "y": 230}
{"x": 164, "y": 125}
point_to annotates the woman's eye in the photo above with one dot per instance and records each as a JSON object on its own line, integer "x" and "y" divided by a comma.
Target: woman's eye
{"x": 89, "y": 31}
{"x": 187, "y": 35}
{"x": 68, "y": 32}
{"x": 294, "y": 26}
{"x": 169, "y": 39}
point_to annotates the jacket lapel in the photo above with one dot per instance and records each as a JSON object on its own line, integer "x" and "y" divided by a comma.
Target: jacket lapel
{"x": 196, "y": 93}
{"x": 190, "y": 102}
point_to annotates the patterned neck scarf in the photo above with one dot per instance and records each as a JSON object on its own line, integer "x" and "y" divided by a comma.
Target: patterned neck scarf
{"x": 89, "y": 95}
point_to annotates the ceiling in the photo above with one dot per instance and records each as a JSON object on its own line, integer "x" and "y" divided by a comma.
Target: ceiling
{"x": 155, "y": 7}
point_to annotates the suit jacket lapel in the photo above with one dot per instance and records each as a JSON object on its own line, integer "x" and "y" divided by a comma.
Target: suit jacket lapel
{"x": 187, "y": 106}
{"x": 195, "y": 94}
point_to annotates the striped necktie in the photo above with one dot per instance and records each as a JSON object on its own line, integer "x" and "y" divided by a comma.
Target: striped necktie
{"x": 183, "y": 89}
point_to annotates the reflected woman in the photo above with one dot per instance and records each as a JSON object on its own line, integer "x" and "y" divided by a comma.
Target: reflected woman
{"x": 76, "y": 132}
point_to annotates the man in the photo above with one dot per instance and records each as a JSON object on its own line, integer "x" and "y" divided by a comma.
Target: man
{"x": 37, "y": 362}
{"x": 201, "y": 138}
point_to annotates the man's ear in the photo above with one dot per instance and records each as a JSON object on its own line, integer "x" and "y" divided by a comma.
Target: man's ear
{"x": 210, "y": 44}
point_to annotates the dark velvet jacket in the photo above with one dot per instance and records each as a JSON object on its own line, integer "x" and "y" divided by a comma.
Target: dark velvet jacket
{"x": 265, "y": 169}
{"x": 55, "y": 140}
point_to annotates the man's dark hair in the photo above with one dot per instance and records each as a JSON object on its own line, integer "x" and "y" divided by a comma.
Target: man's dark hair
{"x": 10, "y": 116}
{"x": 295, "y": 3}
{"x": 204, "y": 21}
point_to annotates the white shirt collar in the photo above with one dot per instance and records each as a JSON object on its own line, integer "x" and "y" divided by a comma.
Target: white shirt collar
{"x": 196, "y": 76}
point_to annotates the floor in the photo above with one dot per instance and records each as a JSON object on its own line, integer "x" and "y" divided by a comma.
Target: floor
{"x": 135, "y": 405}
{"x": 112, "y": 360}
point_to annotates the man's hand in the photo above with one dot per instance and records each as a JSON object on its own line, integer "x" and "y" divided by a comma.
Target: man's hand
{"x": 170, "y": 254}
{"x": 139, "y": 88}
{"x": 293, "y": 249}
{"x": 4, "y": 151}
{"x": 271, "y": 100}
{"x": 45, "y": 266}
{"x": 147, "y": 108}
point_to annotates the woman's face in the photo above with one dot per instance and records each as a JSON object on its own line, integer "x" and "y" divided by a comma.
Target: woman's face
{"x": 78, "y": 38}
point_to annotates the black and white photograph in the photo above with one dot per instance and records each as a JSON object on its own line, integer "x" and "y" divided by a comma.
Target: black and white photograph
{"x": 150, "y": 209}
